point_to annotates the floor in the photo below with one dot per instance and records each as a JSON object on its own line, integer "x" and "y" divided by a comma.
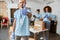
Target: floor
{"x": 4, "y": 35}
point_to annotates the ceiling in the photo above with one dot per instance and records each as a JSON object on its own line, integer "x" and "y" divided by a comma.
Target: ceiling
{"x": 37, "y": 1}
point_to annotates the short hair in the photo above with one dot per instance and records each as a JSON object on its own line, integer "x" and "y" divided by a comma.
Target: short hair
{"x": 38, "y": 10}
{"x": 49, "y": 9}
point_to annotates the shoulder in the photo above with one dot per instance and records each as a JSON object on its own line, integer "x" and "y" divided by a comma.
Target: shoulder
{"x": 16, "y": 12}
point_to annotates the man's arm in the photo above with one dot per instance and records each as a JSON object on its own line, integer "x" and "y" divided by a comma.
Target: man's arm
{"x": 14, "y": 24}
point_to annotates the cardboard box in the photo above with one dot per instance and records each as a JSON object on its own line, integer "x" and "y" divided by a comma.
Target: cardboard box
{"x": 39, "y": 25}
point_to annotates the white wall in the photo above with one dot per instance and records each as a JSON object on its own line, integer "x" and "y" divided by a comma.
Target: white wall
{"x": 55, "y": 10}
{"x": 9, "y": 11}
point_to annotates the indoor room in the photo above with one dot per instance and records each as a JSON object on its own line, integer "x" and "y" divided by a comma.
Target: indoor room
{"x": 29, "y": 20}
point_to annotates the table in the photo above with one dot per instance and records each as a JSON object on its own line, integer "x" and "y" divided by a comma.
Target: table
{"x": 35, "y": 31}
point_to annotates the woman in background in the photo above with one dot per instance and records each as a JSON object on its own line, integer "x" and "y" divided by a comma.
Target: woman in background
{"x": 47, "y": 17}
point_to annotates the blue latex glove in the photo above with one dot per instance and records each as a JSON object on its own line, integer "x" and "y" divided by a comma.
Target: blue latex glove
{"x": 12, "y": 36}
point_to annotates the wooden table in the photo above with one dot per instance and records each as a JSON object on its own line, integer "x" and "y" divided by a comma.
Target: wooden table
{"x": 35, "y": 32}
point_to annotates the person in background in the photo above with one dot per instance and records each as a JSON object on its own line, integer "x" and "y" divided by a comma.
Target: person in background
{"x": 21, "y": 22}
{"x": 34, "y": 17}
{"x": 47, "y": 17}
{"x": 37, "y": 15}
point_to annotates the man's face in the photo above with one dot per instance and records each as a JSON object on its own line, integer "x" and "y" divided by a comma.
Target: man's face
{"x": 22, "y": 4}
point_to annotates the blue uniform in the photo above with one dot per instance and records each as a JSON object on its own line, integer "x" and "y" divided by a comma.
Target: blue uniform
{"x": 46, "y": 17}
{"x": 38, "y": 16}
{"x": 22, "y": 23}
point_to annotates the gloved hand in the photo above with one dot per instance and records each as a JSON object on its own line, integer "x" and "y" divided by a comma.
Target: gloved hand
{"x": 12, "y": 37}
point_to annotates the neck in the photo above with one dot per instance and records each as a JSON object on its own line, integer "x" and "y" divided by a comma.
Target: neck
{"x": 20, "y": 8}
{"x": 47, "y": 12}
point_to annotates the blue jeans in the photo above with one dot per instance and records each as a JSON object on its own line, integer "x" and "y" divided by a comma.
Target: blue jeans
{"x": 48, "y": 27}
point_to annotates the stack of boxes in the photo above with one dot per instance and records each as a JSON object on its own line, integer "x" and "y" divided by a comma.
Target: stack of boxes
{"x": 39, "y": 25}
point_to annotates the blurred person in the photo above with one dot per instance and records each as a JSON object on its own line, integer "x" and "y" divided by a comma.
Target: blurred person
{"x": 21, "y": 22}
{"x": 37, "y": 15}
{"x": 47, "y": 17}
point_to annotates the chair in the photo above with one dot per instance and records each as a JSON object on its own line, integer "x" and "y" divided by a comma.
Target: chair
{"x": 4, "y": 22}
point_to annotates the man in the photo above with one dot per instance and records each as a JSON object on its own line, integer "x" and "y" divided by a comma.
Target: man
{"x": 37, "y": 15}
{"x": 21, "y": 23}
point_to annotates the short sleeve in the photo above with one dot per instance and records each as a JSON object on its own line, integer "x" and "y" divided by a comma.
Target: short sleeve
{"x": 15, "y": 14}
{"x": 29, "y": 11}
